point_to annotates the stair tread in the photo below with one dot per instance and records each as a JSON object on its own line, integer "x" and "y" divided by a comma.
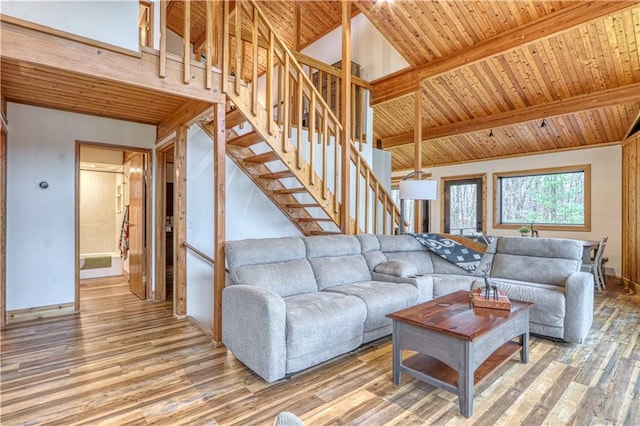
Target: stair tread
{"x": 314, "y": 219}
{"x": 245, "y": 140}
{"x": 300, "y": 190}
{"x": 277, "y": 175}
{"x": 262, "y": 158}
{"x": 325, "y": 233}
{"x": 301, "y": 205}
{"x": 233, "y": 118}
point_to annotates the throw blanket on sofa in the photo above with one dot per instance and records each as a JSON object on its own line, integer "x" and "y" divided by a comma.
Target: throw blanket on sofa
{"x": 450, "y": 250}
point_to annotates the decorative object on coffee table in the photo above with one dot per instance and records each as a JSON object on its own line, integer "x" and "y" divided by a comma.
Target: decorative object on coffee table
{"x": 494, "y": 299}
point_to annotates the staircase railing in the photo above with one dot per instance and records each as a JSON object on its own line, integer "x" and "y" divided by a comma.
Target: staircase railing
{"x": 254, "y": 56}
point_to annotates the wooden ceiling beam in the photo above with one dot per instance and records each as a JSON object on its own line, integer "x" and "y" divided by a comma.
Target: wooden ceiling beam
{"x": 185, "y": 115}
{"x": 406, "y": 81}
{"x": 615, "y": 96}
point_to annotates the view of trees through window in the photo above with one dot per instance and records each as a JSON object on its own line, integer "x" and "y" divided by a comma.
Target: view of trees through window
{"x": 463, "y": 208}
{"x": 553, "y": 198}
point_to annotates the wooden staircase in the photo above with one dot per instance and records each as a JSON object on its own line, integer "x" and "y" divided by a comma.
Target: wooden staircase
{"x": 276, "y": 173}
{"x": 292, "y": 150}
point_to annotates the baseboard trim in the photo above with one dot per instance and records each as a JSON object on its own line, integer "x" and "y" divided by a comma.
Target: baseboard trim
{"x": 200, "y": 326}
{"x": 28, "y": 314}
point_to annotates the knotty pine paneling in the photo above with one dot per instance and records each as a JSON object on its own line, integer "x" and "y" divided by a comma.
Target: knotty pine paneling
{"x": 631, "y": 213}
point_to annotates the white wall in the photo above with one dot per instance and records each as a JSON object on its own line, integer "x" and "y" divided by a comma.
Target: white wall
{"x": 40, "y": 223}
{"x": 606, "y": 192}
{"x": 250, "y": 214}
{"x": 369, "y": 48}
{"x": 109, "y": 21}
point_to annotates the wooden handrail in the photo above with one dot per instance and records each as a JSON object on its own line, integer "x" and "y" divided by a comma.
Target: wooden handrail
{"x": 293, "y": 109}
{"x": 201, "y": 254}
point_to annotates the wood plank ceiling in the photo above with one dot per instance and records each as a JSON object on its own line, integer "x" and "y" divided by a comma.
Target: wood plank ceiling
{"x": 488, "y": 72}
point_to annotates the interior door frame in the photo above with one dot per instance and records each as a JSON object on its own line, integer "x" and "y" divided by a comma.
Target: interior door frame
{"x": 483, "y": 207}
{"x": 146, "y": 267}
{"x": 160, "y": 207}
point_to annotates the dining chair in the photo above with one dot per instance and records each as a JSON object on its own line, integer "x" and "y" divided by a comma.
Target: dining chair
{"x": 600, "y": 264}
{"x": 595, "y": 267}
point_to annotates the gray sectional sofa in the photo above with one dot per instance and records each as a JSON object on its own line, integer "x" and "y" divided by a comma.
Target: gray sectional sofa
{"x": 292, "y": 303}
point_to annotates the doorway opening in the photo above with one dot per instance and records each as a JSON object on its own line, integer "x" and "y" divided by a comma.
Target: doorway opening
{"x": 165, "y": 237}
{"x": 465, "y": 205}
{"x": 112, "y": 224}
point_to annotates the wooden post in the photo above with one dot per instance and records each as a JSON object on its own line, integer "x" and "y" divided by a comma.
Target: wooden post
{"x": 417, "y": 154}
{"x": 345, "y": 213}
{"x": 163, "y": 38}
{"x": 186, "y": 42}
{"x": 180, "y": 223}
{"x": 219, "y": 208}
{"x": 209, "y": 43}
{"x": 3, "y": 219}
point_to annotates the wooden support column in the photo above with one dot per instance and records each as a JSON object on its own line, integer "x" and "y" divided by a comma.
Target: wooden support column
{"x": 186, "y": 42}
{"x": 296, "y": 24}
{"x": 163, "y": 38}
{"x": 3, "y": 218}
{"x": 180, "y": 223}
{"x": 417, "y": 154}
{"x": 345, "y": 213}
{"x": 219, "y": 212}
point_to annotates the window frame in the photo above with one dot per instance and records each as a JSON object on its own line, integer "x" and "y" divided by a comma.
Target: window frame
{"x": 584, "y": 168}
{"x": 483, "y": 190}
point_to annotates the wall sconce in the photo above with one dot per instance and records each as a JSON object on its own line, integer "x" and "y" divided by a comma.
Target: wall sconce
{"x": 415, "y": 190}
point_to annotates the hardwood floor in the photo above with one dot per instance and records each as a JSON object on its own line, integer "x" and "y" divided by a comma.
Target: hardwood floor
{"x": 125, "y": 361}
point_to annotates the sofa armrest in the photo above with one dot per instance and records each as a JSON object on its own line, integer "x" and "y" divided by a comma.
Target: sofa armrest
{"x": 424, "y": 283}
{"x": 253, "y": 328}
{"x": 579, "y": 306}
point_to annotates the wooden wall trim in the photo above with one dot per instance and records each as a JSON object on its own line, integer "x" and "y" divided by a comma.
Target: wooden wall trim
{"x": 180, "y": 223}
{"x": 631, "y": 213}
{"x": 219, "y": 209}
{"x": 185, "y": 115}
{"x": 22, "y": 44}
{"x": 39, "y": 312}
{"x": 3, "y": 226}
{"x": 67, "y": 36}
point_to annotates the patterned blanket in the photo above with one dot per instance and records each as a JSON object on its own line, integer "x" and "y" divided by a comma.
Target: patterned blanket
{"x": 453, "y": 251}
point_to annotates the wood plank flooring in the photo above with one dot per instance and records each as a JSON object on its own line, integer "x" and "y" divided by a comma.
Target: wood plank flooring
{"x": 125, "y": 361}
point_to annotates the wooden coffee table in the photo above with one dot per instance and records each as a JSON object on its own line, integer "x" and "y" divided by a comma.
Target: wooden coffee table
{"x": 458, "y": 346}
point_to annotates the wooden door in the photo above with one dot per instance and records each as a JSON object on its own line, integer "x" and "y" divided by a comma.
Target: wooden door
{"x": 137, "y": 225}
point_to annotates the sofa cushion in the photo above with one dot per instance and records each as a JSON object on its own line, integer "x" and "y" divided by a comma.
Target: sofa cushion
{"x": 381, "y": 298}
{"x": 336, "y": 260}
{"x": 548, "y": 300}
{"x": 407, "y": 249}
{"x": 538, "y": 260}
{"x": 263, "y": 250}
{"x": 283, "y": 278}
{"x": 398, "y": 268}
{"x": 320, "y": 326}
{"x": 444, "y": 284}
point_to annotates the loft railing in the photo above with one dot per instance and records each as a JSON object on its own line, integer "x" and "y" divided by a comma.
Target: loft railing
{"x": 254, "y": 55}
{"x": 304, "y": 99}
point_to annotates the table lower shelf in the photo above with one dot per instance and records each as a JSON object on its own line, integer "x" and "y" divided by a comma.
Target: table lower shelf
{"x": 438, "y": 370}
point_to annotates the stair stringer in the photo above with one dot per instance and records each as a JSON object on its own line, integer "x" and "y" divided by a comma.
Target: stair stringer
{"x": 276, "y": 140}
{"x": 274, "y": 189}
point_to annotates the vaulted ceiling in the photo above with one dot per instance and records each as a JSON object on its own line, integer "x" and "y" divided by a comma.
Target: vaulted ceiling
{"x": 490, "y": 72}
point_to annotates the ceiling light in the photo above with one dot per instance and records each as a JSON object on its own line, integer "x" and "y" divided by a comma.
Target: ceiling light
{"x": 543, "y": 124}
{"x": 491, "y": 133}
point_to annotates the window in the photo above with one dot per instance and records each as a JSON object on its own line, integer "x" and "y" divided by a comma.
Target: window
{"x": 557, "y": 198}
